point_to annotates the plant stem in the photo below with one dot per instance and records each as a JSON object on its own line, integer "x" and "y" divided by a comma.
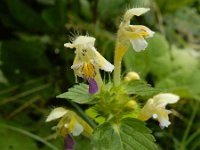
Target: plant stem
{"x": 183, "y": 142}
{"x": 192, "y": 137}
{"x": 23, "y": 94}
{"x": 82, "y": 113}
{"x": 31, "y": 135}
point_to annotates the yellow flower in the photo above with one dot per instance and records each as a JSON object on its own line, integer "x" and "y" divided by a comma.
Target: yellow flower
{"x": 70, "y": 122}
{"x": 155, "y": 107}
{"x": 134, "y": 33}
{"x": 129, "y": 34}
{"x": 88, "y": 60}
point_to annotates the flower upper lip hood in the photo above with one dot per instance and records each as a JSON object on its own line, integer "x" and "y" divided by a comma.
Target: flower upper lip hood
{"x": 134, "y": 12}
{"x": 56, "y": 114}
{"x": 161, "y": 100}
{"x": 81, "y": 41}
{"x": 86, "y": 52}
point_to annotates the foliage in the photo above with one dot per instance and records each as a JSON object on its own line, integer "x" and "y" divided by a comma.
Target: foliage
{"x": 128, "y": 134}
{"x": 78, "y": 94}
{"x": 176, "y": 63}
{"x": 35, "y": 67}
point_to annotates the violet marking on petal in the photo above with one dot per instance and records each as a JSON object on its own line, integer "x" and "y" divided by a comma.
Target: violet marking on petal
{"x": 162, "y": 127}
{"x": 69, "y": 143}
{"x": 93, "y": 87}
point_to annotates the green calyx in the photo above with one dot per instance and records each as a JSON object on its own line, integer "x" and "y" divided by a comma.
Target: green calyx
{"x": 113, "y": 104}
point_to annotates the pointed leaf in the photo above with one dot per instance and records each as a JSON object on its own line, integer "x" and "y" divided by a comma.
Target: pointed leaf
{"x": 129, "y": 134}
{"x": 139, "y": 87}
{"x": 79, "y": 94}
{"x": 154, "y": 61}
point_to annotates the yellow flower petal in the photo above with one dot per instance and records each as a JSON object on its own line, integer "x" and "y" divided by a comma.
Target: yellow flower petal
{"x": 103, "y": 63}
{"x": 84, "y": 40}
{"x": 81, "y": 42}
{"x": 69, "y": 45}
{"x": 88, "y": 70}
{"x": 141, "y": 30}
{"x": 161, "y": 100}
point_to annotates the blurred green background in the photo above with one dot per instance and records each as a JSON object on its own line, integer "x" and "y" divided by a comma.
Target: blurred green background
{"x": 35, "y": 67}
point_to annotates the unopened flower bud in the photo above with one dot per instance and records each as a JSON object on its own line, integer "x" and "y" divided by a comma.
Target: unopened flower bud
{"x": 132, "y": 76}
{"x": 131, "y": 104}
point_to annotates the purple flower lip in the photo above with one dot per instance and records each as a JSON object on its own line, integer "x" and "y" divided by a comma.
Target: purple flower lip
{"x": 69, "y": 143}
{"x": 93, "y": 87}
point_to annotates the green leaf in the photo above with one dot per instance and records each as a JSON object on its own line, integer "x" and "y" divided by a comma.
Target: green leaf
{"x": 82, "y": 143}
{"x": 79, "y": 94}
{"x": 110, "y": 9}
{"x": 3, "y": 79}
{"x": 86, "y": 9}
{"x": 155, "y": 60}
{"x": 52, "y": 17}
{"x": 139, "y": 87}
{"x": 25, "y": 15}
{"x": 172, "y": 5}
{"x": 178, "y": 28}
{"x": 173, "y": 70}
{"x": 184, "y": 77}
{"x": 184, "y": 59}
{"x": 185, "y": 84}
{"x": 12, "y": 140}
{"x": 129, "y": 134}
{"x": 55, "y": 15}
{"x": 21, "y": 60}
{"x": 183, "y": 25}
{"x": 47, "y": 2}
{"x": 94, "y": 114}
{"x": 20, "y": 135}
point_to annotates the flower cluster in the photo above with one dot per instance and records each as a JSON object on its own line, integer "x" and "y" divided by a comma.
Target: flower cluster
{"x": 112, "y": 101}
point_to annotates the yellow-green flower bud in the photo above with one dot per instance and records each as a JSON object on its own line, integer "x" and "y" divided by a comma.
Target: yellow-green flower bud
{"x": 132, "y": 76}
{"x": 132, "y": 104}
